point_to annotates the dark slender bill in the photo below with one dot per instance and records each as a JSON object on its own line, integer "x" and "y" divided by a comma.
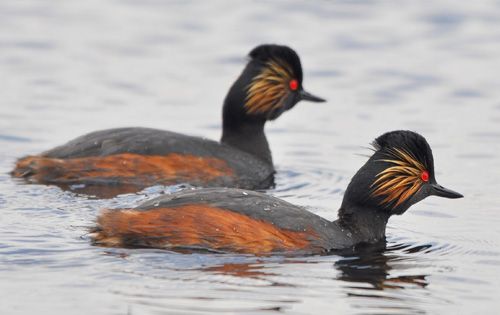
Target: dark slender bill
{"x": 306, "y": 96}
{"x": 438, "y": 190}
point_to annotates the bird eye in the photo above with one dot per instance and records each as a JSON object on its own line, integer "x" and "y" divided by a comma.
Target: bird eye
{"x": 293, "y": 84}
{"x": 424, "y": 176}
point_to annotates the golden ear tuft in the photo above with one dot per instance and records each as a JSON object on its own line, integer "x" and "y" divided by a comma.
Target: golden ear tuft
{"x": 269, "y": 89}
{"x": 399, "y": 182}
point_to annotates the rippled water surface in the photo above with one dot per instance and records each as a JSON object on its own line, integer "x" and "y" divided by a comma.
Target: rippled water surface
{"x": 70, "y": 67}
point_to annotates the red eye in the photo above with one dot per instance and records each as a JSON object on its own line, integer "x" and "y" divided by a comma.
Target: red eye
{"x": 294, "y": 85}
{"x": 424, "y": 176}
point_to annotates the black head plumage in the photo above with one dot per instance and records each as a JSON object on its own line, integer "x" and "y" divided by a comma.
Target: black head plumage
{"x": 270, "y": 52}
{"x": 270, "y": 84}
{"x": 398, "y": 174}
{"x": 409, "y": 141}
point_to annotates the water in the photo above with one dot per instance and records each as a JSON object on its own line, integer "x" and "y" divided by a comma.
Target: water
{"x": 70, "y": 67}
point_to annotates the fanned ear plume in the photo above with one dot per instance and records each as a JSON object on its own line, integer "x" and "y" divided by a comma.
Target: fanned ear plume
{"x": 269, "y": 89}
{"x": 399, "y": 182}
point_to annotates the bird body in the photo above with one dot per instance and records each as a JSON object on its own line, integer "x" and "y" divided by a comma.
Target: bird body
{"x": 139, "y": 157}
{"x": 217, "y": 220}
{"x": 122, "y": 160}
{"x": 398, "y": 174}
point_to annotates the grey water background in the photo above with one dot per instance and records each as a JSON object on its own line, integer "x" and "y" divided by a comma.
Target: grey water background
{"x": 71, "y": 67}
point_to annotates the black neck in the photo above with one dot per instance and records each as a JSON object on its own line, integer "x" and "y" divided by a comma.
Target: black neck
{"x": 248, "y": 136}
{"x": 366, "y": 225}
{"x": 241, "y": 130}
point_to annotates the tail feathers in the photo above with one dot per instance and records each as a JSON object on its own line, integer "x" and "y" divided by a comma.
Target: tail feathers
{"x": 113, "y": 228}
{"x": 30, "y": 166}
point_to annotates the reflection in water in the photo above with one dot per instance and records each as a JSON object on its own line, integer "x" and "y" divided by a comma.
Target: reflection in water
{"x": 102, "y": 191}
{"x": 372, "y": 284}
{"x": 368, "y": 264}
{"x": 373, "y": 265}
{"x": 378, "y": 280}
{"x": 245, "y": 270}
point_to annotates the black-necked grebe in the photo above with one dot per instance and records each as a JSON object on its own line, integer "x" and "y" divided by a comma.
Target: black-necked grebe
{"x": 122, "y": 160}
{"x": 399, "y": 174}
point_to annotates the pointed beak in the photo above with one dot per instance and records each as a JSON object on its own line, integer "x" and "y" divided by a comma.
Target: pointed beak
{"x": 306, "y": 96}
{"x": 438, "y": 190}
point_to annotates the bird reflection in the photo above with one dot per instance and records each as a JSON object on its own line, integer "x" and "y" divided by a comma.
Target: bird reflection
{"x": 102, "y": 191}
{"x": 373, "y": 278}
{"x": 366, "y": 264}
{"x": 245, "y": 270}
{"x": 372, "y": 265}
